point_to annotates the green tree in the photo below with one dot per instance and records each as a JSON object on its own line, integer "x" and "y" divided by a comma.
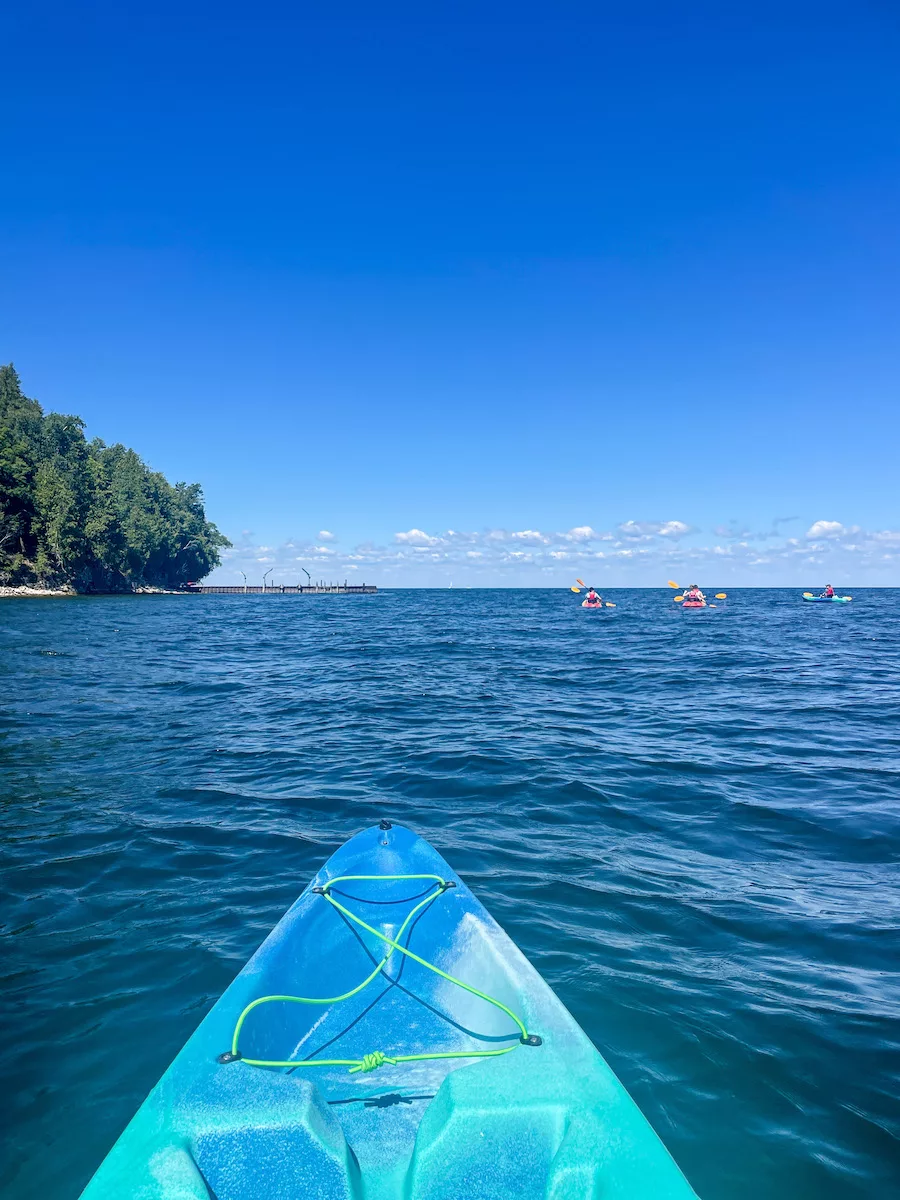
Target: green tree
{"x": 88, "y": 514}
{"x": 20, "y": 438}
{"x": 62, "y": 501}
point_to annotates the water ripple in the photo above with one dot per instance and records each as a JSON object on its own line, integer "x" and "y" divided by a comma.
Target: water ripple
{"x": 688, "y": 821}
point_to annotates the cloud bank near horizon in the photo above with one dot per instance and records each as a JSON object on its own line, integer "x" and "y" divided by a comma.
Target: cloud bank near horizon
{"x": 633, "y": 553}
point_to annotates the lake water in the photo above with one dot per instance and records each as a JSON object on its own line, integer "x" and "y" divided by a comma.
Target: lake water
{"x": 690, "y": 822}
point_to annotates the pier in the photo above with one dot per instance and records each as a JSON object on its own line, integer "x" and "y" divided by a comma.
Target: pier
{"x": 313, "y": 589}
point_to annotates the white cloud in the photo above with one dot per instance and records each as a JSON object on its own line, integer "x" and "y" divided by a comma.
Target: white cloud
{"x": 643, "y": 530}
{"x": 531, "y": 535}
{"x": 584, "y": 533}
{"x": 673, "y": 529}
{"x": 640, "y": 553}
{"x": 826, "y": 529}
{"x": 325, "y": 535}
{"x": 416, "y": 537}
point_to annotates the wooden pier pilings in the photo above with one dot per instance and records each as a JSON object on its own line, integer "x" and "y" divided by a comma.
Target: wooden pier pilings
{"x": 315, "y": 589}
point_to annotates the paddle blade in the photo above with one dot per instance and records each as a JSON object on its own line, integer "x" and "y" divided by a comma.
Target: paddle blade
{"x": 678, "y": 599}
{"x": 721, "y": 595}
{"x": 608, "y": 604}
{"x": 576, "y": 590}
{"x": 807, "y": 593}
{"x": 712, "y": 606}
{"x": 673, "y": 584}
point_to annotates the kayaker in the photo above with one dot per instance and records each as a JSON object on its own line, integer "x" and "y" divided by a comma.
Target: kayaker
{"x": 593, "y": 599}
{"x": 829, "y": 591}
{"x": 694, "y": 593}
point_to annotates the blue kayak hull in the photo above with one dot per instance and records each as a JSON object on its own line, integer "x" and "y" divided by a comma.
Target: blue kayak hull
{"x": 828, "y": 599}
{"x": 546, "y": 1121}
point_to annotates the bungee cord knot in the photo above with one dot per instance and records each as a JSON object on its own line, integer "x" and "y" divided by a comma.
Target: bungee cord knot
{"x": 371, "y": 1062}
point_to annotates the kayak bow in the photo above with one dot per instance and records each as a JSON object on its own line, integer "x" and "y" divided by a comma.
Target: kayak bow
{"x": 440, "y": 1066}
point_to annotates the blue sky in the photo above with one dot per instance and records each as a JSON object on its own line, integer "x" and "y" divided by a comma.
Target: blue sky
{"x": 498, "y": 293}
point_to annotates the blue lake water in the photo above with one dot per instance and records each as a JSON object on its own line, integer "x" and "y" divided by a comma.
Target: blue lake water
{"x": 690, "y": 822}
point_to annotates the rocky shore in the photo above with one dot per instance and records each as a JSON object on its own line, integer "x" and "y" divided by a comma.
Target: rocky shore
{"x": 35, "y": 591}
{"x": 25, "y": 590}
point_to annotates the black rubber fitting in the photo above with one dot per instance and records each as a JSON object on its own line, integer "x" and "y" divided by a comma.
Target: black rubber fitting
{"x": 531, "y": 1040}
{"x": 385, "y": 824}
{"x": 228, "y": 1057}
{"x": 448, "y": 883}
{"x": 317, "y": 891}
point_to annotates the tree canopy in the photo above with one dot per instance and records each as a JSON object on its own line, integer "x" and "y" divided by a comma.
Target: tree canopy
{"x": 91, "y": 515}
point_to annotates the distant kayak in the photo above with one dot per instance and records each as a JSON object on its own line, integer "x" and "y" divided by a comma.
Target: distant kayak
{"x": 827, "y": 599}
{"x": 442, "y": 1067}
{"x": 695, "y": 604}
{"x": 587, "y": 604}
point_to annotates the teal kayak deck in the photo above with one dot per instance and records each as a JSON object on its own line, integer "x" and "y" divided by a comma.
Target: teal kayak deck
{"x": 540, "y": 1116}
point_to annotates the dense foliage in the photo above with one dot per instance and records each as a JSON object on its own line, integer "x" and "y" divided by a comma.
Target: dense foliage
{"x": 87, "y": 514}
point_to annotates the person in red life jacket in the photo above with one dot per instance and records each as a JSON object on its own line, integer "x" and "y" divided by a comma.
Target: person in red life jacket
{"x": 694, "y": 593}
{"x": 592, "y": 599}
{"x": 829, "y": 591}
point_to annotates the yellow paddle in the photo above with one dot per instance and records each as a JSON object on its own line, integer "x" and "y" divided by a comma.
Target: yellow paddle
{"x": 608, "y": 603}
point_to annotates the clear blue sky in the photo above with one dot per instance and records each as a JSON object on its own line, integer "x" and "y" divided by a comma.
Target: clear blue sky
{"x": 489, "y": 268}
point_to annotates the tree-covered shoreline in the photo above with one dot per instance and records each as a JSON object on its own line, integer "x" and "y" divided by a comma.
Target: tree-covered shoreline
{"x": 90, "y": 516}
